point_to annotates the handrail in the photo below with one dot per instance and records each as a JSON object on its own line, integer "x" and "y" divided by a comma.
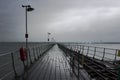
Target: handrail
{"x": 90, "y": 64}
{"x": 8, "y": 52}
{"x": 14, "y": 58}
{"x": 103, "y": 53}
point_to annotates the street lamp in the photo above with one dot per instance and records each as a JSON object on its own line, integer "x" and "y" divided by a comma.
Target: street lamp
{"x": 48, "y": 36}
{"x": 28, "y": 8}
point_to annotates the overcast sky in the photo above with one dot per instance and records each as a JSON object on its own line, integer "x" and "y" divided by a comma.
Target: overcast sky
{"x": 66, "y": 20}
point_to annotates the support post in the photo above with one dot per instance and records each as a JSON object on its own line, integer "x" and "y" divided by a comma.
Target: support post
{"x": 103, "y": 54}
{"x": 87, "y": 51}
{"x": 115, "y": 56}
{"x": 82, "y": 57}
{"x": 94, "y": 52}
{"x": 13, "y": 64}
{"x": 30, "y": 56}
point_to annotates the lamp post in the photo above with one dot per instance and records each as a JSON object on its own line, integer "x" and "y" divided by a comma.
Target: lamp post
{"x": 49, "y": 36}
{"x": 28, "y": 8}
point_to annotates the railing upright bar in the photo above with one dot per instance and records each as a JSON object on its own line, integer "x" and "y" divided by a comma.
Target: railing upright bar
{"x": 87, "y": 51}
{"x": 34, "y": 54}
{"x": 37, "y": 52}
{"x": 103, "y": 54}
{"x": 115, "y": 56}
{"x": 94, "y": 52}
{"x": 82, "y": 56}
{"x": 80, "y": 49}
{"x": 78, "y": 70}
{"x": 13, "y": 64}
{"x": 30, "y": 56}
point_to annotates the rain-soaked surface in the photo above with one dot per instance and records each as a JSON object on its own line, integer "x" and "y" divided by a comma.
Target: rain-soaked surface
{"x": 52, "y": 66}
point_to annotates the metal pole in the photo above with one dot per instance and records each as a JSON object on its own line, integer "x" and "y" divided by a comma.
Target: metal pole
{"x": 115, "y": 56}
{"x": 82, "y": 57}
{"x": 26, "y": 35}
{"x": 27, "y": 8}
{"x": 103, "y": 54}
{"x": 48, "y": 37}
{"x": 13, "y": 64}
{"x": 94, "y": 52}
{"x": 87, "y": 51}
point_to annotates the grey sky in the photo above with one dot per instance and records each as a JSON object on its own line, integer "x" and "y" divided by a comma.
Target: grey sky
{"x": 67, "y": 20}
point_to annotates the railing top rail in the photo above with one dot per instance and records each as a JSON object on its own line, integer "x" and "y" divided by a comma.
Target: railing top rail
{"x": 9, "y": 52}
{"x": 6, "y": 53}
{"x": 79, "y": 44}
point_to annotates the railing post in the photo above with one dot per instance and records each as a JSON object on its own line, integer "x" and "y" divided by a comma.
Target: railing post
{"x": 34, "y": 54}
{"x": 73, "y": 65}
{"x": 87, "y": 51}
{"x": 13, "y": 64}
{"x": 118, "y": 73}
{"x": 115, "y": 56}
{"x": 94, "y": 52}
{"x": 37, "y": 52}
{"x": 30, "y": 56}
{"x": 80, "y": 49}
{"x": 78, "y": 69}
{"x": 83, "y": 57}
{"x": 103, "y": 54}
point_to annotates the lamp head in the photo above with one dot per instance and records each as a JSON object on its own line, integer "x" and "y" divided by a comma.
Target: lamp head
{"x": 30, "y": 9}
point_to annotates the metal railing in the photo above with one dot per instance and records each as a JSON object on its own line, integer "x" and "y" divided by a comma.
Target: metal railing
{"x": 100, "y": 53}
{"x": 11, "y": 65}
{"x": 82, "y": 56}
{"x": 75, "y": 62}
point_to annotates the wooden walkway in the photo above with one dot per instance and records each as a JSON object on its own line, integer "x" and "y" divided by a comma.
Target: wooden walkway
{"x": 52, "y": 66}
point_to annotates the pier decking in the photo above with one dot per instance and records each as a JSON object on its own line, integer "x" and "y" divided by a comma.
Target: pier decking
{"x": 52, "y": 66}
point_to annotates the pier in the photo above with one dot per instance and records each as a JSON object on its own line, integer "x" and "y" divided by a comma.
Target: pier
{"x": 61, "y": 61}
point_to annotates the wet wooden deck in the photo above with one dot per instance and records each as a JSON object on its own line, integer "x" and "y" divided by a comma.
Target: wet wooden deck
{"x": 52, "y": 66}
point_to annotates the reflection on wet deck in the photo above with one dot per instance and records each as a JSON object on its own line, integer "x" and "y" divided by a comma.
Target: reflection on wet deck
{"x": 52, "y": 66}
